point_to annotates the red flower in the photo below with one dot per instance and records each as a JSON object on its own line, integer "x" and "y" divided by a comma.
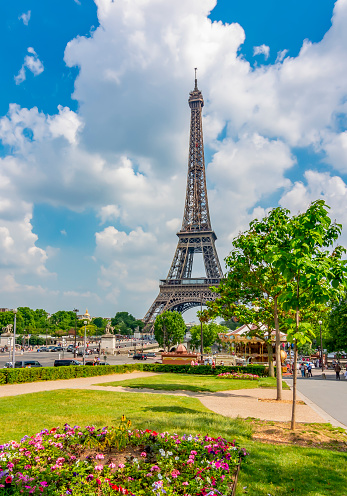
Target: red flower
{"x": 8, "y": 479}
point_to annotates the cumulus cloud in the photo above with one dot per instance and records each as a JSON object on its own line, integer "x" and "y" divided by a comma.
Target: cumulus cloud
{"x": 262, "y": 50}
{"x": 32, "y": 63}
{"x": 123, "y": 154}
{"x": 25, "y": 17}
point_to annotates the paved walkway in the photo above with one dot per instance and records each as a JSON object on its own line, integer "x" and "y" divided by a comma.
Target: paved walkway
{"x": 258, "y": 403}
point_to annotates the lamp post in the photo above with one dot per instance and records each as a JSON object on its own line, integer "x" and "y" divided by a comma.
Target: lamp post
{"x": 201, "y": 334}
{"x": 14, "y": 338}
{"x": 74, "y": 351}
{"x": 321, "y": 345}
{"x": 85, "y": 339}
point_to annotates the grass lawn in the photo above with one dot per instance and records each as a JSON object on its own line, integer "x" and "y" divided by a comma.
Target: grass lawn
{"x": 196, "y": 383}
{"x": 271, "y": 469}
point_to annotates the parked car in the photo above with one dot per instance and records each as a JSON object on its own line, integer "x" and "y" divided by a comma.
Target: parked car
{"x": 43, "y": 348}
{"x": 70, "y": 348}
{"x": 51, "y": 348}
{"x": 58, "y": 348}
{"x": 65, "y": 363}
{"x": 23, "y": 364}
{"x": 140, "y": 356}
{"x": 150, "y": 354}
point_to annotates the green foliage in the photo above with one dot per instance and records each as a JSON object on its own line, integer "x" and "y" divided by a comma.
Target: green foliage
{"x": 64, "y": 320}
{"x": 125, "y": 323}
{"x": 169, "y": 329}
{"x": 210, "y": 333}
{"x": 18, "y": 376}
{"x": 336, "y": 339}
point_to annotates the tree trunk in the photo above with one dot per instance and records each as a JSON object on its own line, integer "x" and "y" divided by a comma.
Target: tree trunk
{"x": 271, "y": 358}
{"x": 295, "y": 374}
{"x": 278, "y": 353}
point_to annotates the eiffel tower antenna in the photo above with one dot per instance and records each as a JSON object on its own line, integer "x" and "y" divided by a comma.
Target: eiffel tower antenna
{"x": 179, "y": 291}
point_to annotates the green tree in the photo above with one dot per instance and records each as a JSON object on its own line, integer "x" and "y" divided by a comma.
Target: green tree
{"x": 63, "y": 320}
{"x": 100, "y": 324}
{"x": 336, "y": 337}
{"x": 126, "y": 323}
{"x": 169, "y": 329}
{"x": 210, "y": 333}
{"x": 26, "y": 320}
{"x": 314, "y": 273}
{"x": 251, "y": 289}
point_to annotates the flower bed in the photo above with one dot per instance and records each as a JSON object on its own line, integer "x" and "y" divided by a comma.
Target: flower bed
{"x": 238, "y": 375}
{"x": 117, "y": 460}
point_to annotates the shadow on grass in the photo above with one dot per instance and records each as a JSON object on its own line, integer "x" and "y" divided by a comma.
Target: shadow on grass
{"x": 172, "y": 409}
{"x": 171, "y": 387}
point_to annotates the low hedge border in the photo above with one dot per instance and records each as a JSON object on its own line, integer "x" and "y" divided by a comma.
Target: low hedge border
{"x": 19, "y": 376}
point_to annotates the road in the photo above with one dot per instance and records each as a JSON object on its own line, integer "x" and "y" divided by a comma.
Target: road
{"x": 328, "y": 394}
{"x": 47, "y": 358}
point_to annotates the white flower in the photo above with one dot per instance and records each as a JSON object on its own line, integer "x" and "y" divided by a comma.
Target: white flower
{"x": 160, "y": 476}
{"x": 177, "y": 457}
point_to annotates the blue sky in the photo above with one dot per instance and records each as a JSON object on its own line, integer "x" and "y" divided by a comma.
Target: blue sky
{"x": 94, "y": 128}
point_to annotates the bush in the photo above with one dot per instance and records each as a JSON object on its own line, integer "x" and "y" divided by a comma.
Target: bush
{"x": 19, "y": 376}
{"x": 204, "y": 369}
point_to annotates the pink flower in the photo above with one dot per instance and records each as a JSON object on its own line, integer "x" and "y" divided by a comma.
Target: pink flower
{"x": 98, "y": 467}
{"x": 193, "y": 453}
{"x": 98, "y": 481}
{"x": 143, "y": 454}
{"x": 175, "y": 473}
{"x": 121, "y": 465}
{"x": 99, "y": 456}
{"x": 185, "y": 483}
{"x": 190, "y": 461}
{"x": 112, "y": 465}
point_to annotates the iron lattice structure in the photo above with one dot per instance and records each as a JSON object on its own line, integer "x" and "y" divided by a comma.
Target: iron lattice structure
{"x": 179, "y": 291}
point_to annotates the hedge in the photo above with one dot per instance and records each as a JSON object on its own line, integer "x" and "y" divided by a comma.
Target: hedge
{"x": 18, "y": 376}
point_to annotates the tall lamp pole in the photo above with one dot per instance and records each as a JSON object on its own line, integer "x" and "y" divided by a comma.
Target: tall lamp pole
{"x": 321, "y": 345}
{"x": 201, "y": 335}
{"x": 14, "y": 338}
{"x": 74, "y": 351}
{"x": 85, "y": 339}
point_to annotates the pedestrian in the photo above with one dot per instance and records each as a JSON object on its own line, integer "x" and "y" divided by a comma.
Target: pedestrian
{"x": 192, "y": 363}
{"x": 337, "y": 371}
{"x": 302, "y": 368}
{"x": 345, "y": 374}
{"x": 222, "y": 364}
{"x": 309, "y": 370}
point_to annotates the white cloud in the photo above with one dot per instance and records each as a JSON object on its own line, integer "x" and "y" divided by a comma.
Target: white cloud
{"x": 261, "y": 50}
{"x": 32, "y": 63}
{"x": 123, "y": 154}
{"x": 25, "y": 17}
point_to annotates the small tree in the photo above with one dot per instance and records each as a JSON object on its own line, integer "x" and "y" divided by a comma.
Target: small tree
{"x": 169, "y": 329}
{"x": 313, "y": 274}
{"x": 210, "y": 333}
{"x": 253, "y": 285}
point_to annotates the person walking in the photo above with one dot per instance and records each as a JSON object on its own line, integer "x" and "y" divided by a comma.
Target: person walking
{"x": 309, "y": 370}
{"x": 337, "y": 371}
{"x": 302, "y": 368}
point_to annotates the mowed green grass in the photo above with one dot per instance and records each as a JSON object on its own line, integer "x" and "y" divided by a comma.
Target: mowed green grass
{"x": 195, "y": 383}
{"x": 274, "y": 470}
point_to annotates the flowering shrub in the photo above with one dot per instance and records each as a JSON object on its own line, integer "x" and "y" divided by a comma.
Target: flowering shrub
{"x": 238, "y": 375}
{"x": 75, "y": 461}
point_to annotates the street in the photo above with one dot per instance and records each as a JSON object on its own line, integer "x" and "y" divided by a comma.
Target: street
{"x": 330, "y": 395}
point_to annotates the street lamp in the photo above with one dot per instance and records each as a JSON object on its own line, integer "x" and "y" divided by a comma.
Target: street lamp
{"x": 201, "y": 334}
{"x": 76, "y": 312}
{"x": 85, "y": 338}
{"x": 321, "y": 345}
{"x": 14, "y": 338}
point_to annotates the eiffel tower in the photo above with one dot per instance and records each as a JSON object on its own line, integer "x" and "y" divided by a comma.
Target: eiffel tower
{"x": 179, "y": 291}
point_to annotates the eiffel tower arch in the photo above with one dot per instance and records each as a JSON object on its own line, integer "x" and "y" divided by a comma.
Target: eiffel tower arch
{"x": 180, "y": 291}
